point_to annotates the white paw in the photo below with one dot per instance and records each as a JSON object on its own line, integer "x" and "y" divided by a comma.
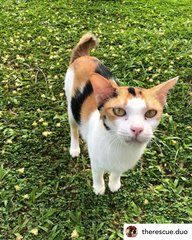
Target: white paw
{"x": 74, "y": 152}
{"x": 99, "y": 190}
{"x": 114, "y": 187}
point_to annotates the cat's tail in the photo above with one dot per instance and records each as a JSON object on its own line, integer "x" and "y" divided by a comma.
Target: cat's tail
{"x": 83, "y": 47}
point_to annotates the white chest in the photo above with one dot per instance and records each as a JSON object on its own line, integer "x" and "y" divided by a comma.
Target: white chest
{"x": 106, "y": 151}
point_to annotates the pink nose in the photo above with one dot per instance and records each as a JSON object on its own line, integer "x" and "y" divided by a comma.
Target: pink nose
{"x": 137, "y": 130}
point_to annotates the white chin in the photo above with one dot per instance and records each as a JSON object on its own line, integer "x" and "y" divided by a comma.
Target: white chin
{"x": 135, "y": 141}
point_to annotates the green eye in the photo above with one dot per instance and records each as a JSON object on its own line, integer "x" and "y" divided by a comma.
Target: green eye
{"x": 120, "y": 112}
{"x": 150, "y": 113}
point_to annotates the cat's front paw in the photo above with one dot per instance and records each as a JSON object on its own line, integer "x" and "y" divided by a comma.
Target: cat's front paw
{"x": 99, "y": 190}
{"x": 74, "y": 152}
{"x": 114, "y": 187}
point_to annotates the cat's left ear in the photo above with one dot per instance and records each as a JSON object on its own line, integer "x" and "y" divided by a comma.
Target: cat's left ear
{"x": 162, "y": 89}
{"x": 102, "y": 87}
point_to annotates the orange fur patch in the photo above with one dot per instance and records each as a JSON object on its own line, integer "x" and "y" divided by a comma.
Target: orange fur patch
{"x": 88, "y": 107}
{"x": 83, "y": 68}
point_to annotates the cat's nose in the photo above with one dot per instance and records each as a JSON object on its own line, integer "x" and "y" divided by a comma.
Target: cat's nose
{"x": 137, "y": 130}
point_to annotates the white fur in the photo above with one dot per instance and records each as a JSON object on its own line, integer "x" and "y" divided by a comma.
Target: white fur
{"x": 74, "y": 145}
{"x": 114, "y": 151}
{"x": 110, "y": 154}
{"x": 69, "y": 83}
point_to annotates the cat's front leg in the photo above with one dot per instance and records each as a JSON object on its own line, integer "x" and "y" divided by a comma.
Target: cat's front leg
{"x": 98, "y": 181}
{"x": 114, "y": 181}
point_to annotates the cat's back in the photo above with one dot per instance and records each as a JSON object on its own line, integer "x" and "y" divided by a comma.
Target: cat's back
{"x": 78, "y": 87}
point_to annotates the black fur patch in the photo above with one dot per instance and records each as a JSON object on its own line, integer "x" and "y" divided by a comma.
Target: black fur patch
{"x": 99, "y": 107}
{"x": 131, "y": 90}
{"x": 103, "y": 71}
{"x": 78, "y": 99}
{"x": 105, "y": 125}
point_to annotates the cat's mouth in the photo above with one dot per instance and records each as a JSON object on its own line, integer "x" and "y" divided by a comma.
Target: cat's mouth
{"x": 135, "y": 140}
{"x": 138, "y": 139}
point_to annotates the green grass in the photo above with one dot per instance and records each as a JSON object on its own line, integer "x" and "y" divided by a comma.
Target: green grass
{"x": 44, "y": 194}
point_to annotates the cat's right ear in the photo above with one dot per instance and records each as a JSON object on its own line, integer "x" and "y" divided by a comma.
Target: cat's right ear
{"x": 102, "y": 87}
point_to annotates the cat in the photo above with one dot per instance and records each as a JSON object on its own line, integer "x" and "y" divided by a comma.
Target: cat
{"x": 131, "y": 231}
{"x": 116, "y": 122}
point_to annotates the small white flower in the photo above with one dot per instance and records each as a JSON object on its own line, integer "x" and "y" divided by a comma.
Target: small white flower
{"x": 20, "y": 170}
{"x": 9, "y": 141}
{"x": 74, "y": 234}
{"x": 26, "y": 196}
{"x": 34, "y": 231}
{"x": 17, "y": 188}
{"x": 46, "y": 133}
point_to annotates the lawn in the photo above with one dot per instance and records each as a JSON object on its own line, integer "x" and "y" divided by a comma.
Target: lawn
{"x": 44, "y": 194}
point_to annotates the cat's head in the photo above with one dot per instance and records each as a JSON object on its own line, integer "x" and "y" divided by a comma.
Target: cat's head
{"x": 132, "y": 114}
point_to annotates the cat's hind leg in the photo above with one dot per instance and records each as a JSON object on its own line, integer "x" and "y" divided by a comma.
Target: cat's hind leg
{"x": 74, "y": 131}
{"x": 114, "y": 181}
{"x": 74, "y": 144}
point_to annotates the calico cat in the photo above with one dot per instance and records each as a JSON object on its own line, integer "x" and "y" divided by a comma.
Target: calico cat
{"x": 117, "y": 122}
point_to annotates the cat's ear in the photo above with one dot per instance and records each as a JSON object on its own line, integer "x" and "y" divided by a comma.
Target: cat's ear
{"x": 102, "y": 87}
{"x": 162, "y": 89}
